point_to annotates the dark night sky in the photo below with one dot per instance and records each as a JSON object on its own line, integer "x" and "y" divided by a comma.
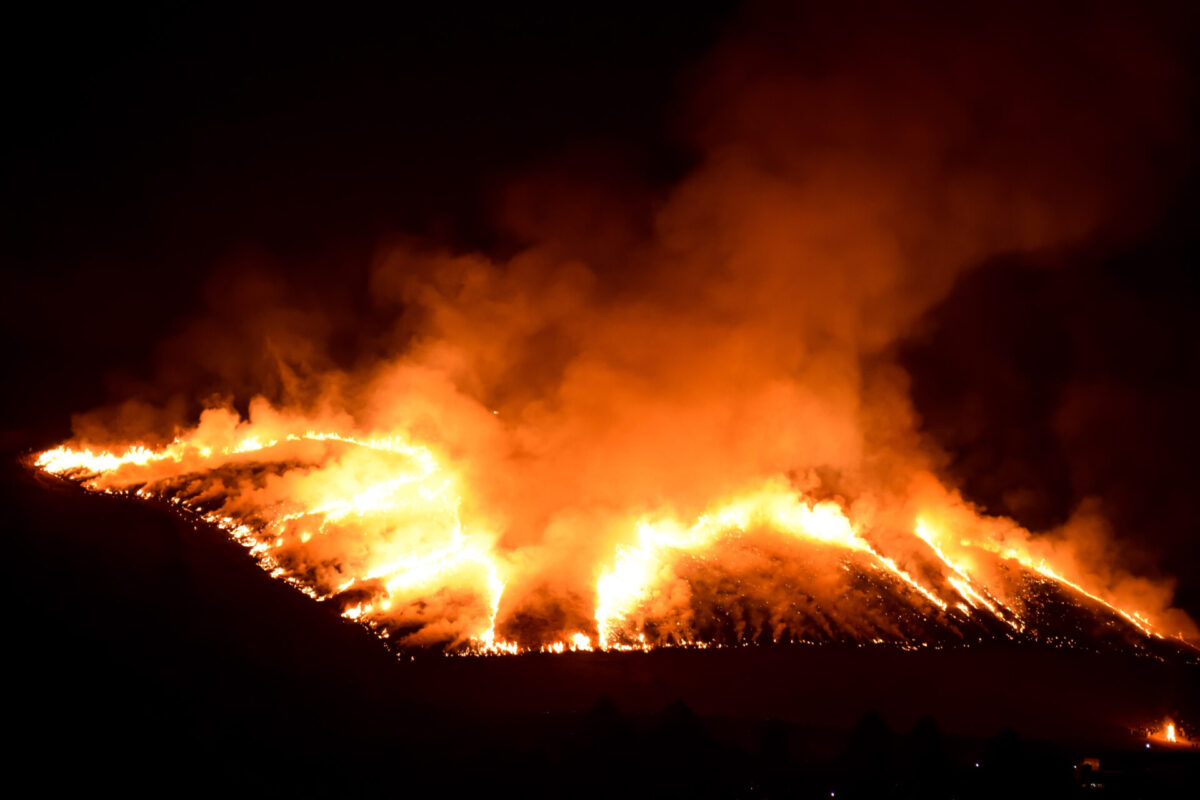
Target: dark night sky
{"x": 143, "y": 149}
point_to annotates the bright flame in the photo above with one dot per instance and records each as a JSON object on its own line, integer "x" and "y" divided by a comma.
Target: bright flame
{"x": 395, "y": 494}
{"x": 1167, "y": 733}
{"x": 676, "y": 415}
{"x": 379, "y": 525}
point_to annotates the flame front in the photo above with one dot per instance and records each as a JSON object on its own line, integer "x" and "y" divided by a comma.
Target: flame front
{"x": 400, "y": 503}
{"x": 380, "y": 525}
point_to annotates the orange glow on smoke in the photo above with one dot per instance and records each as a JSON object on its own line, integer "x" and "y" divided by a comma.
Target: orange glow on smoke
{"x": 675, "y": 415}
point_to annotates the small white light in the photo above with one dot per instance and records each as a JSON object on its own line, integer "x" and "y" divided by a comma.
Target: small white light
{"x": 1147, "y": 745}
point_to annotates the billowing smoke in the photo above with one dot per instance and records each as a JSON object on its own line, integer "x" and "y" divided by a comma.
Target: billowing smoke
{"x": 676, "y": 413}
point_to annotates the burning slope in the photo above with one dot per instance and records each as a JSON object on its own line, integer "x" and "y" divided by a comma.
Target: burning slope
{"x": 376, "y": 524}
{"x": 675, "y": 415}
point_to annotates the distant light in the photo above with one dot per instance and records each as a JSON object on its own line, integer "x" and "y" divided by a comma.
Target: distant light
{"x": 977, "y": 763}
{"x": 1147, "y": 745}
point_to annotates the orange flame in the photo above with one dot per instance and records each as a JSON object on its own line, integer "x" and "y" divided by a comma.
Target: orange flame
{"x": 1168, "y": 733}
{"x": 376, "y": 522}
{"x": 679, "y": 420}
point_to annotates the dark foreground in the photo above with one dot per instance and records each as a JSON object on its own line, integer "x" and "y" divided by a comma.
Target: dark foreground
{"x": 149, "y": 656}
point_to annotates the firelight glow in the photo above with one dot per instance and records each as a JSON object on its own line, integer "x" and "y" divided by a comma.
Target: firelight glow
{"x": 673, "y": 409}
{"x": 375, "y": 523}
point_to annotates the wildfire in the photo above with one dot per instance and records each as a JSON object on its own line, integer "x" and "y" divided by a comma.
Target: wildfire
{"x": 380, "y": 525}
{"x": 1168, "y": 733}
{"x": 654, "y": 409}
{"x": 672, "y": 413}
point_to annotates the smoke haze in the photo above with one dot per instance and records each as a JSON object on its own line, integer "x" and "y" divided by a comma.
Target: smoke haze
{"x": 645, "y": 353}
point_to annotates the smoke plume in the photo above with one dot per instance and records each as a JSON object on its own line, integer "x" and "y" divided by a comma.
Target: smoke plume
{"x": 660, "y": 379}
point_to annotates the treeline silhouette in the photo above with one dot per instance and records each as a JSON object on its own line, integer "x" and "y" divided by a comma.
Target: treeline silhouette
{"x": 675, "y": 754}
{"x": 604, "y": 752}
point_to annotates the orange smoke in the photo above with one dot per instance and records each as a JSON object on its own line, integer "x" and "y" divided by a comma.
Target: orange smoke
{"x": 687, "y": 427}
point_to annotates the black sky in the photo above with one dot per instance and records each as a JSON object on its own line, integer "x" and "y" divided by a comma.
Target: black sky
{"x": 144, "y": 147}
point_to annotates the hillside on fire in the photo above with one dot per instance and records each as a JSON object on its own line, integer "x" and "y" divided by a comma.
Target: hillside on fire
{"x": 748, "y": 400}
